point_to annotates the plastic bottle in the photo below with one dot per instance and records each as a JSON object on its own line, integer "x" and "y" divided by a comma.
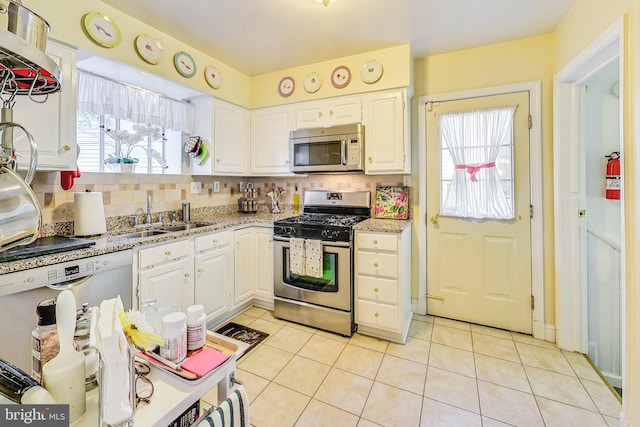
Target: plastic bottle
{"x": 44, "y": 344}
{"x": 296, "y": 201}
{"x": 174, "y": 334}
{"x": 196, "y": 327}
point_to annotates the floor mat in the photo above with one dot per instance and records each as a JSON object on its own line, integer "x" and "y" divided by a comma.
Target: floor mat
{"x": 242, "y": 333}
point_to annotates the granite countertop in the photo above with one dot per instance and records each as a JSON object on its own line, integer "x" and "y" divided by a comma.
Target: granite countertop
{"x": 111, "y": 242}
{"x": 383, "y": 225}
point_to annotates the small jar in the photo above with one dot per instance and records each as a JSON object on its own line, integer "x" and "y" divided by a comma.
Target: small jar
{"x": 196, "y": 327}
{"x": 44, "y": 343}
{"x": 174, "y": 335}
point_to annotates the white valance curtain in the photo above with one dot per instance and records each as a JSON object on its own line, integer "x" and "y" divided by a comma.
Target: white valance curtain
{"x": 102, "y": 96}
{"x": 474, "y": 139}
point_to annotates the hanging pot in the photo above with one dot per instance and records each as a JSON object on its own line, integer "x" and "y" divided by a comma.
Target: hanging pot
{"x": 25, "y": 24}
{"x": 20, "y": 214}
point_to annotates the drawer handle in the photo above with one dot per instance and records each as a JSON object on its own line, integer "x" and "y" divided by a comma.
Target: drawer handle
{"x": 375, "y": 290}
{"x": 375, "y": 242}
{"x": 167, "y": 253}
{"x": 215, "y": 241}
{"x": 187, "y": 275}
{"x": 376, "y": 315}
{"x": 370, "y": 159}
{"x": 200, "y": 270}
{"x": 375, "y": 264}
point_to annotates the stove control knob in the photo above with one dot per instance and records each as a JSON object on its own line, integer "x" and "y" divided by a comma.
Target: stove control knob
{"x": 324, "y": 234}
{"x": 291, "y": 231}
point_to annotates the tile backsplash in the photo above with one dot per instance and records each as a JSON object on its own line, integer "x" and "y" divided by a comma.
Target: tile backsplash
{"x": 126, "y": 194}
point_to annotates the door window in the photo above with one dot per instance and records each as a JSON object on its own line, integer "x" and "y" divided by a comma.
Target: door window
{"x": 476, "y": 158}
{"x": 327, "y": 283}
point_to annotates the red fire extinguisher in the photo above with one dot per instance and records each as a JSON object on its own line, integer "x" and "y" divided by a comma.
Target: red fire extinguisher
{"x": 613, "y": 176}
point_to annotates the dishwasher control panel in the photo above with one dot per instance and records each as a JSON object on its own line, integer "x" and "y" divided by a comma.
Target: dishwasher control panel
{"x": 62, "y": 274}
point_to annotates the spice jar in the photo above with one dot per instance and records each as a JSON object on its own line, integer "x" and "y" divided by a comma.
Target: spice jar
{"x": 44, "y": 343}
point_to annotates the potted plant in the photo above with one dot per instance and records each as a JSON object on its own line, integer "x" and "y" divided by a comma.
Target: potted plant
{"x": 125, "y": 142}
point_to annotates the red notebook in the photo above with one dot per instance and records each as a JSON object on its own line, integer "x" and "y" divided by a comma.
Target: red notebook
{"x": 204, "y": 362}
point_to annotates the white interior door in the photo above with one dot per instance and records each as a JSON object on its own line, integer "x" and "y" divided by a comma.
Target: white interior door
{"x": 479, "y": 270}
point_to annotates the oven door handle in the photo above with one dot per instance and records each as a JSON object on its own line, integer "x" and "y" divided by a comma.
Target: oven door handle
{"x": 343, "y": 153}
{"x": 324, "y": 242}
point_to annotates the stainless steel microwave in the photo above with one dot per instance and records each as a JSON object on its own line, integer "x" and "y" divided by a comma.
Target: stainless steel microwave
{"x": 332, "y": 149}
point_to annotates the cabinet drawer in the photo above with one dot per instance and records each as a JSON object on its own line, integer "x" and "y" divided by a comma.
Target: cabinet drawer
{"x": 377, "y": 289}
{"x": 378, "y": 315}
{"x": 213, "y": 241}
{"x": 160, "y": 254}
{"x": 378, "y": 242}
{"x": 377, "y": 264}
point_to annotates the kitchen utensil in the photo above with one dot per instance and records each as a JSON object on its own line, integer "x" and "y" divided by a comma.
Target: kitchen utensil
{"x": 26, "y": 24}
{"x": 64, "y": 375}
{"x": 20, "y": 214}
{"x": 89, "y": 217}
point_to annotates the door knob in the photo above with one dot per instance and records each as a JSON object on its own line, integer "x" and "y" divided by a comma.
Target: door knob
{"x": 375, "y": 264}
{"x": 435, "y": 219}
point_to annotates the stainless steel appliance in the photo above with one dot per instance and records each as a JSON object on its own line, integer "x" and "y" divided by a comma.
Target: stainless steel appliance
{"x": 326, "y": 302}
{"x": 333, "y": 149}
{"x": 91, "y": 279}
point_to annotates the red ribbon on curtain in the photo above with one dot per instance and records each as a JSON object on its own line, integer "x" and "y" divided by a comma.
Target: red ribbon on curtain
{"x": 473, "y": 169}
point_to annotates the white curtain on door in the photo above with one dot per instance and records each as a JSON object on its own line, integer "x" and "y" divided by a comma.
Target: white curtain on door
{"x": 102, "y": 96}
{"x": 474, "y": 139}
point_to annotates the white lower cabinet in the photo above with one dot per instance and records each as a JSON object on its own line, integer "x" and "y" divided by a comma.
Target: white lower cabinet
{"x": 383, "y": 284}
{"x": 253, "y": 265}
{"x": 214, "y": 273}
{"x": 165, "y": 274}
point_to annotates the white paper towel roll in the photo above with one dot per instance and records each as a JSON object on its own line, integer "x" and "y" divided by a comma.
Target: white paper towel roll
{"x": 89, "y": 214}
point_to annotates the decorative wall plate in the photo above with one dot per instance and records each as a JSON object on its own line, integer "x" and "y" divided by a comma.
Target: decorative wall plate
{"x": 341, "y": 76}
{"x": 185, "y": 64}
{"x": 371, "y": 71}
{"x": 213, "y": 77}
{"x": 101, "y": 29}
{"x": 312, "y": 82}
{"x": 148, "y": 48}
{"x": 286, "y": 86}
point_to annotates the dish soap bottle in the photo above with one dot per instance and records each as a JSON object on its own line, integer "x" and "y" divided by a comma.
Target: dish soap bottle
{"x": 296, "y": 201}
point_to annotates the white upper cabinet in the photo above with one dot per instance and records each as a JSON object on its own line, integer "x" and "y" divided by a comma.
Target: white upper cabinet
{"x": 224, "y": 127}
{"x": 53, "y": 122}
{"x": 329, "y": 112}
{"x": 387, "y": 133}
{"x": 270, "y": 128}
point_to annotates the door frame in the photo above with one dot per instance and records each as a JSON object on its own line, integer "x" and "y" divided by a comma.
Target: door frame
{"x": 570, "y": 239}
{"x": 540, "y": 329}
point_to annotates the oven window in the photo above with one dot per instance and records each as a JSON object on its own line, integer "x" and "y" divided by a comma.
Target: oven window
{"x": 327, "y": 283}
{"x": 317, "y": 153}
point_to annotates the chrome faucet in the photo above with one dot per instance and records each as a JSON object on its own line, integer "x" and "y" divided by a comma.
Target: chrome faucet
{"x": 149, "y": 204}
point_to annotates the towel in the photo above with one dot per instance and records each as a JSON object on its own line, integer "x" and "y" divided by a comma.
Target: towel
{"x": 313, "y": 258}
{"x": 233, "y": 412}
{"x": 296, "y": 256}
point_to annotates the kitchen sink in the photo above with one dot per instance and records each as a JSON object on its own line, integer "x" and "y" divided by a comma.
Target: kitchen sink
{"x": 184, "y": 227}
{"x": 145, "y": 233}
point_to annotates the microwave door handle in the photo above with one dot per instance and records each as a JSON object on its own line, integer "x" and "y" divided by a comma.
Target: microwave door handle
{"x": 343, "y": 154}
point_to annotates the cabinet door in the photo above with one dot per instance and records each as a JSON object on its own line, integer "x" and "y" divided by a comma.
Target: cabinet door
{"x": 264, "y": 264}
{"x": 53, "y": 122}
{"x": 386, "y": 139}
{"x": 214, "y": 281}
{"x": 344, "y": 111}
{"x": 310, "y": 115}
{"x": 245, "y": 264}
{"x": 170, "y": 284}
{"x": 270, "y": 129}
{"x": 231, "y": 139}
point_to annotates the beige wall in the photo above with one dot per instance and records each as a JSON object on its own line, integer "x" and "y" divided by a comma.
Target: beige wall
{"x": 395, "y": 60}
{"x": 65, "y": 18}
{"x": 585, "y": 22}
{"x": 519, "y": 61}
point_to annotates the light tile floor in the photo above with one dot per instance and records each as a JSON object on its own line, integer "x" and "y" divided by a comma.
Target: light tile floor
{"x": 449, "y": 373}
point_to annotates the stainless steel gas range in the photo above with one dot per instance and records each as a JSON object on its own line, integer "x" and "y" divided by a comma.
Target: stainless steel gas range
{"x": 319, "y": 297}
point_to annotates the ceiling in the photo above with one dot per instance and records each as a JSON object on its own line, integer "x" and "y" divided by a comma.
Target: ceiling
{"x": 261, "y": 36}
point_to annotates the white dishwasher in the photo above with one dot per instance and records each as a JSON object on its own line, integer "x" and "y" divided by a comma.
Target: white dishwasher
{"x": 91, "y": 279}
